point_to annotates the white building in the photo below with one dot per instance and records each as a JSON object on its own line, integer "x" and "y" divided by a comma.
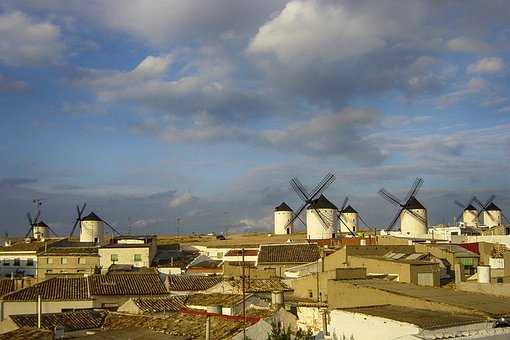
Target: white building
{"x": 137, "y": 251}
{"x": 20, "y": 259}
{"x": 40, "y": 231}
{"x": 470, "y": 216}
{"x": 349, "y": 220}
{"x": 492, "y": 216}
{"x": 413, "y": 218}
{"x": 283, "y": 216}
{"x": 92, "y": 229}
{"x": 321, "y": 219}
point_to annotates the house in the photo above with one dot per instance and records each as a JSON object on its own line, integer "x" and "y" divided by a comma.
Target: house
{"x": 153, "y": 305}
{"x": 191, "y": 284}
{"x": 67, "y": 258}
{"x": 60, "y": 294}
{"x": 453, "y": 254}
{"x": 267, "y": 318}
{"x": 405, "y": 322}
{"x": 20, "y": 258}
{"x": 226, "y": 304}
{"x": 235, "y": 286}
{"x": 205, "y": 267}
{"x": 371, "y": 292}
{"x": 279, "y": 257}
{"x": 66, "y": 322}
{"x": 236, "y": 256}
{"x": 170, "y": 259}
{"x": 138, "y": 251}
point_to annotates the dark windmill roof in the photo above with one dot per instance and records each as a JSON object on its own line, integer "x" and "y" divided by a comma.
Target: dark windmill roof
{"x": 349, "y": 210}
{"x": 283, "y": 207}
{"x": 91, "y": 217}
{"x": 41, "y": 224}
{"x": 470, "y": 207}
{"x": 322, "y": 203}
{"x": 492, "y": 207}
{"x": 413, "y": 203}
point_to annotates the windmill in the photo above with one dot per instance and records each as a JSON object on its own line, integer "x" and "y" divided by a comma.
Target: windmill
{"x": 37, "y": 227}
{"x": 468, "y": 214}
{"x": 491, "y": 213}
{"x": 318, "y": 208}
{"x": 91, "y": 226}
{"x": 348, "y": 217}
{"x": 412, "y": 214}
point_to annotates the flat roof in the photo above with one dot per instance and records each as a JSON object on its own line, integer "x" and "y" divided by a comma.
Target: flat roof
{"x": 487, "y": 304}
{"x": 424, "y": 318}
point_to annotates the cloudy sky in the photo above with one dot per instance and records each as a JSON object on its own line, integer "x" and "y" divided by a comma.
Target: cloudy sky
{"x": 153, "y": 111}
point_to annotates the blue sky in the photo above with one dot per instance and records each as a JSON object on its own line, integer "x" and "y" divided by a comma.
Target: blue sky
{"x": 203, "y": 110}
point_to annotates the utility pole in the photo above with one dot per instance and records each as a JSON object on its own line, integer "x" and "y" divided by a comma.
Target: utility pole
{"x": 178, "y": 220}
{"x": 244, "y": 298}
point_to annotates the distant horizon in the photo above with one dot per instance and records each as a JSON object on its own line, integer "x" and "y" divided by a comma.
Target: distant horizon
{"x": 201, "y": 112}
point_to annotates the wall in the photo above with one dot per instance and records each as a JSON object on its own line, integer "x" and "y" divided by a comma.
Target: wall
{"x": 125, "y": 256}
{"x": 23, "y": 256}
{"x": 309, "y": 318}
{"x": 230, "y": 270}
{"x": 500, "y": 289}
{"x": 347, "y": 325}
{"x": 30, "y": 307}
{"x": 502, "y": 239}
{"x": 72, "y": 266}
{"x": 308, "y": 287}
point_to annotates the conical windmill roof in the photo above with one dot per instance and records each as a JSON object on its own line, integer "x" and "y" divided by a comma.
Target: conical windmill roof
{"x": 91, "y": 217}
{"x": 41, "y": 224}
{"x": 283, "y": 207}
{"x": 349, "y": 210}
{"x": 470, "y": 207}
{"x": 492, "y": 207}
{"x": 322, "y": 203}
{"x": 413, "y": 203}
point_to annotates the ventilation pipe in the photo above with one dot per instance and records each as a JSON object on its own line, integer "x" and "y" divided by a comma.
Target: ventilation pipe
{"x": 484, "y": 274}
{"x": 39, "y": 311}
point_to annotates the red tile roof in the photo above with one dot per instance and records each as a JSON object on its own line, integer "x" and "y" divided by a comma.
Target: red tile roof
{"x": 70, "y": 321}
{"x": 239, "y": 252}
{"x": 57, "y": 288}
{"x": 158, "y": 305}
{"x": 127, "y": 284}
{"x": 289, "y": 253}
{"x": 6, "y": 286}
{"x": 192, "y": 282}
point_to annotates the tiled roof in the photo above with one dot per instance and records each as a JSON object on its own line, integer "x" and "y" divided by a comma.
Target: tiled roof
{"x": 83, "y": 251}
{"x": 157, "y": 305}
{"x": 27, "y": 334}
{"x": 289, "y": 253}
{"x": 177, "y": 324}
{"x": 6, "y": 286}
{"x": 192, "y": 282}
{"x": 413, "y": 203}
{"x": 53, "y": 289}
{"x": 70, "y": 321}
{"x": 27, "y": 246}
{"x": 239, "y": 252}
{"x": 207, "y": 264}
{"x": 126, "y": 284}
{"x": 261, "y": 285}
{"x": 214, "y": 299}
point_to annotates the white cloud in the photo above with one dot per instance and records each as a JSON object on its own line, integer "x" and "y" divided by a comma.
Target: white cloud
{"x": 181, "y": 200}
{"x": 25, "y": 41}
{"x": 487, "y": 65}
{"x": 474, "y": 86}
{"x": 467, "y": 44}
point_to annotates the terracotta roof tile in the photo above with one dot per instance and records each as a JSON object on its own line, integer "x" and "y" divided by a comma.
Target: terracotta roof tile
{"x": 6, "y": 286}
{"x": 261, "y": 285}
{"x": 215, "y": 299}
{"x": 127, "y": 284}
{"x": 289, "y": 253}
{"x": 70, "y": 321}
{"x": 239, "y": 252}
{"x": 158, "y": 305}
{"x": 27, "y": 334}
{"x": 192, "y": 282}
{"x": 57, "y": 288}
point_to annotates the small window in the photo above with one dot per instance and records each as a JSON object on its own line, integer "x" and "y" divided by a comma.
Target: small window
{"x": 219, "y": 254}
{"x": 114, "y": 257}
{"x": 50, "y": 260}
{"x": 138, "y": 257}
{"x": 30, "y": 262}
{"x": 49, "y": 270}
{"x": 310, "y": 293}
{"x": 63, "y": 260}
{"x": 16, "y": 262}
{"x": 82, "y": 260}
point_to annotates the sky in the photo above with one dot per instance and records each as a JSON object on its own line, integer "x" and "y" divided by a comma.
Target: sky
{"x": 196, "y": 114}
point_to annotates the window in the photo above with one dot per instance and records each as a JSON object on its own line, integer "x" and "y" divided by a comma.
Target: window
{"x": 17, "y": 262}
{"x": 50, "y": 260}
{"x": 310, "y": 293}
{"x": 219, "y": 254}
{"x": 138, "y": 257}
{"x": 30, "y": 262}
{"x": 82, "y": 260}
{"x": 49, "y": 270}
{"x": 63, "y": 260}
{"x": 6, "y": 262}
{"x": 114, "y": 257}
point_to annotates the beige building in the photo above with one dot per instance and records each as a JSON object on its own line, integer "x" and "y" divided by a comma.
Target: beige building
{"x": 68, "y": 258}
{"x": 20, "y": 258}
{"x": 138, "y": 251}
{"x": 279, "y": 257}
{"x": 453, "y": 254}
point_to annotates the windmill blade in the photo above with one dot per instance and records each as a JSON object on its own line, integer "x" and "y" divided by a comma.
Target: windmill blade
{"x": 460, "y": 204}
{"x": 390, "y": 198}
{"x": 297, "y": 189}
{"x": 461, "y": 216}
{"x": 74, "y": 227}
{"x": 482, "y": 208}
{"x": 36, "y": 219}
{"x": 344, "y": 203}
{"x": 414, "y": 189}
{"x": 323, "y": 219}
{"x": 489, "y": 201}
{"x": 30, "y": 221}
{"x": 345, "y": 225}
{"x": 111, "y": 227}
{"x": 505, "y": 218}
{"x": 363, "y": 221}
{"x": 301, "y": 187}
{"x": 415, "y": 215}
{"x": 54, "y": 233}
{"x": 322, "y": 186}
{"x": 392, "y": 223}
{"x": 296, "y": 215}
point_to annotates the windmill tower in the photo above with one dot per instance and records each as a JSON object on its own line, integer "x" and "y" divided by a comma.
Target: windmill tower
{"x": 492, "y": 216}
{"x": 349, "y": 220}
{"x": 412, "y": 214}
{"x": 283, "y": 219}
{"x": 91, "y": 229}
{"x": 40, "y": 230}
{"x": 321, "y": 214}
{"x": 321, "y": 219}
{"x": 469, "y": 214}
